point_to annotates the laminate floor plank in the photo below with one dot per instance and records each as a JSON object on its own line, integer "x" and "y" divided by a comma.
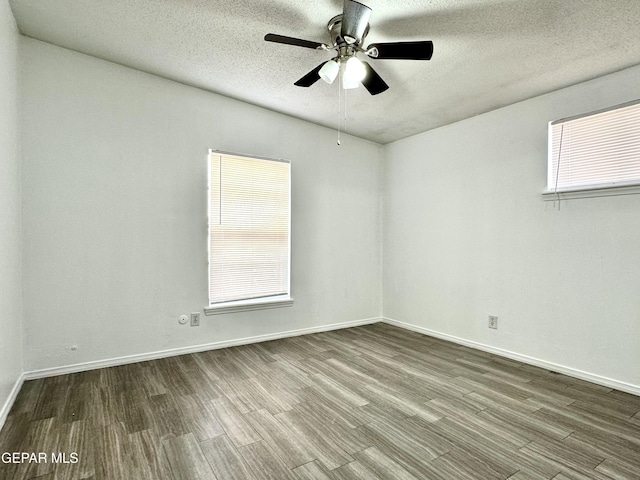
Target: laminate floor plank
{"x": 27, "y": 398}
{"x": 40, "y": 436}
{"x": 610, "y": 447}
{"x": 341, "y": 393}
{"x": 289, "y": 374}
{"x": 168, "y": 420}
{"x": 292, "y": 451}
{"x": 152, "y": 380}
{"x": 373, "y": 368}
{"x": 453, "y": 406}
{"x": 320, "y": 446}
{"x": 343, "y": 413}
{"x": 51, "y": 400}
{"x": 136, "y": 413}
{"x": 277, "y": 398}
{"x": 572, "y": 419}
{"x": 354, "y": 471}
{"x": 248, "y": 361}
{"x": 625, "y": 398}
{"x": 265, "y": 463}
{"x": 529, "y": 425}
{"x": 377, "y": 412}
{"x": 477, "y": 443}
{"x": 312, "y": 471}
{"x": 225, "y": 460}
{"x": 339, "y": 370}
{"x": 460, "y": 464}
{"x": 370, "y": 402}
{"x": 113, "y": 459}
{"x": 76, "y": 437}
{"x": 528, "y": 391}
{"x": 242, "y": 395}
{"x": 186, "y": 458}
{"x": 382, "y": 466}
{"x": 173, "y": 376}
{"x": 497, "y": 400}
{"x": 233, "y": 423}
{"x": 368, "y": 346}
{"x": 622, "y": 413}
{"x": 414, "y": 456}
{"x": 496, "y": 370}
{"x": 619, "y": 471}
{"x": 554, "y": 462}
{"x": 203, "y": 384}
{"x": 438, "y": 384}
{"x": 147, "y": 457}
{"x": 507, "y": 437}
{"x": 200, "y": 417}
{"x": 567, "y": 455}
{"x": 343, "y": 368}
{"x": 526, "y": 475}
{"x": 406, "y": 403}
{"x": 338, "y": 431}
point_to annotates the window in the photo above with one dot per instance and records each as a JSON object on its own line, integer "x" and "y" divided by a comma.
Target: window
{"x": 600, "y": 150}
{"x": 249, "y": 233}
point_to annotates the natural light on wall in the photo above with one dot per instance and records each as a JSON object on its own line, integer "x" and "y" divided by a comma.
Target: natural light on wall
{"x": 594, "y": 151}
{"x": 249, "y": 216}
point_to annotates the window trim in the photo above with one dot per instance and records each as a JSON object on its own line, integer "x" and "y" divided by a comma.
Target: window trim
{"x": 273, "y": 301}
{"x": 594, "y": 190}
{"x": 248, "y": 305}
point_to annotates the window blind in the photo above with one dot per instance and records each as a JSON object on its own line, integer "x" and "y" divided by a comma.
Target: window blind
{"x": 596, "y": 150}
{"x": 249, "y": 217}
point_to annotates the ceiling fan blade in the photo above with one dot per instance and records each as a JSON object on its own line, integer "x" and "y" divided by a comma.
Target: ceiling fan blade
{"x": 355, "y": 18}
{"x": 310, "y": 78}
{"x": 372, "y": 81}
{"x": 272, "y": 37}
{"x": 402, "y": 50}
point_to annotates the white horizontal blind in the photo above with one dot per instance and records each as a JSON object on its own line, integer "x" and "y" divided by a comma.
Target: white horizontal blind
{"x": 598, "y": 150}
{"x": 249, "y": 212}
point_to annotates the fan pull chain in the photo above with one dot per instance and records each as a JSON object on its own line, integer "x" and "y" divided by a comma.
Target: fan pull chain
{"x": 339, "y": 109}
{"x": 344, "y": 128}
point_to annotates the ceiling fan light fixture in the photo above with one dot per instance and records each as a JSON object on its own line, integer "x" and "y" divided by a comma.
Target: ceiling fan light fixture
{"x": 329, "y": 71}
{"x": 354, "y": 73}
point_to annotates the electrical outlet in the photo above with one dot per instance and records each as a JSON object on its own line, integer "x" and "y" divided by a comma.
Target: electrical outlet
{"x": 195, "y": 319}
{"x": 493, "y": 322}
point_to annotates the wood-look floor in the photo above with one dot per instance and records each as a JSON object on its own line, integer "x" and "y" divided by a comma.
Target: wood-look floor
{"x": 373, "y": 402}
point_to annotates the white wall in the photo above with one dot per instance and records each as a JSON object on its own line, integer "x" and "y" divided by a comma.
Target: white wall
{"x": 467, "y": 234}
{"x": 10, "y": 211}
{"x": 115, "y": 212}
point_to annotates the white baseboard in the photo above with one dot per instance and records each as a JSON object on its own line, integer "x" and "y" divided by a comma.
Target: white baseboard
{"x": 112, "y": 362}
{"x": 554, "y": 367}
{"x": 4, "y": 412}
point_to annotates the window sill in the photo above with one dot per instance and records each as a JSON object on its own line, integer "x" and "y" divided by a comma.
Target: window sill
{"x": 246, "y": 305}
{"x": 592, "y": 192}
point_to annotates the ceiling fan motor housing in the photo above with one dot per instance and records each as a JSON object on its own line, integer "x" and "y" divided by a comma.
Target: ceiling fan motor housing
{"x": 335, "y": 32}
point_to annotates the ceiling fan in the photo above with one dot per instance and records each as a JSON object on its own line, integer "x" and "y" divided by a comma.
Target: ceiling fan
{"x": 347, "y": 32}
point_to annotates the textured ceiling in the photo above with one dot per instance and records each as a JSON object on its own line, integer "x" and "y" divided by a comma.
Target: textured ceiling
{"x": 487, "y": 54}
